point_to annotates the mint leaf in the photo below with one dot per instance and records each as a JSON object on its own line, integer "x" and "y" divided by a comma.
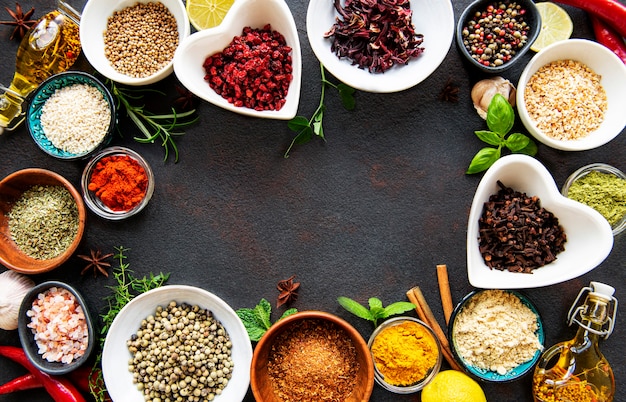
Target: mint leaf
{"x": 355, "y": 308}
{"x": 262, "y": 313}
{"x": 257, "y": 320}
{"x": 375, "y": 302}
{"x": 288, "y": 312}
{"x": 398, "y": 308}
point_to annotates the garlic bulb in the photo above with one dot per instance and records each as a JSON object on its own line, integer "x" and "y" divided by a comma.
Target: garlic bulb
{"x": 14, "y": 287}
{"x": 484, "y": 90}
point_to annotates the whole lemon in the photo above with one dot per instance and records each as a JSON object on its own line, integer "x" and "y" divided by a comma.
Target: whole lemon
{"x": 453, "y": 386}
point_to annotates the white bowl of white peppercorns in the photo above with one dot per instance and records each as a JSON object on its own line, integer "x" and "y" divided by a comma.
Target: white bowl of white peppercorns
{"x": 177, "y": 341}
{"x": 133, "y": 41}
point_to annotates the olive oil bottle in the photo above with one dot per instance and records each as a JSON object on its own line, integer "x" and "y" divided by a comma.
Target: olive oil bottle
{"x": 50, "y": 47}
{"x": 576, "y": 370}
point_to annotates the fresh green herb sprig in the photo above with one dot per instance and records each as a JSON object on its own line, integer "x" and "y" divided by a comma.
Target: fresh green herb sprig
{"x": 257, "y": 320}
{"x": 500, "y": 119}
{"x": 163, "y": 127}
{"x": 376, "y": 310}
{"x": 305, "y": 128}
{"x": 126, "y": 288}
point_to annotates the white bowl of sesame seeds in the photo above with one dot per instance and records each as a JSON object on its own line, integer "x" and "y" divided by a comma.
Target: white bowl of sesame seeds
{"x": 133, "y": 41}
{"x": 572, "y": 95}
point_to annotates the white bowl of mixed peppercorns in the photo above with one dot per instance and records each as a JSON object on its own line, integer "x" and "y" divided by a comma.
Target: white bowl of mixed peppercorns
{"x": 493, "y": 35}
{"x": 133, "y": 41}
{"x": 523, "y": 233}
{"x": 249, "y": 64}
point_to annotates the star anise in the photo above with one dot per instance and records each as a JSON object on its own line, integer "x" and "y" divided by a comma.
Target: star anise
{"x": 186, "y": 99}
{"x": 96, "y": 262}
{"x": 288, "y": 291}
{"x": 21, "y": 21}
{"x": 450, "y": 92}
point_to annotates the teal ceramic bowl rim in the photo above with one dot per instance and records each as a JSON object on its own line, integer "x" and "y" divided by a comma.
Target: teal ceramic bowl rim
{"x": 488, "y": 375}
{"x": 43, "y": 93}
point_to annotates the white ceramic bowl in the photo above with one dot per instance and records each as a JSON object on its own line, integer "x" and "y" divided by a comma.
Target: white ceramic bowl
{"x": 433, "y": 19}
{"x": 93, "y": 23}
{"x": 601, "y": 60}
{"x": 115, "y": 355}
{"x": 589, "y": 235}
{"x": 193, "y": 51}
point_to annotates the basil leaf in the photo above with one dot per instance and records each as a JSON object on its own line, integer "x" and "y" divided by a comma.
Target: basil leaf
{"x": 355, "y": 308}
{"x": 500, "y": 115}
{"x": 530, "y": 149}
{"x": 398, "y": 308}
{"x": 489, "y": 137}
{"x": 483, "y": 160}
{"x": 516, "y": 142}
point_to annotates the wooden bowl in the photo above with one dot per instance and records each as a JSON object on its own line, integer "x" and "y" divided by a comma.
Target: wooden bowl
{"x": 11, "y": 189}
{"x": 260, "y": 381}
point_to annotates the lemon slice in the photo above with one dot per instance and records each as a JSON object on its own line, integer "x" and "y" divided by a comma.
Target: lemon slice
{"x": 556, "y": 25}
{"x": 205, "y": 14}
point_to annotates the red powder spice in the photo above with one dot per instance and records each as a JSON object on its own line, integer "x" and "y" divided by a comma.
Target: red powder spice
{"x": 119, "y": 181}
{"x": 253, "y": 71}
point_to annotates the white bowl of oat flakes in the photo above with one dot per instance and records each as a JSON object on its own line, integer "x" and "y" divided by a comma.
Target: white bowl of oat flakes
{"x": 133, "y": 41}
{"x": 572, "y": 95}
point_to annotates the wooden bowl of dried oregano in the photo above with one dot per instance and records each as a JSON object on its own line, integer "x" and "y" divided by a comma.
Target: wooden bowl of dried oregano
{"x": 42, "y": 220}
{"x": 312, "y": 356}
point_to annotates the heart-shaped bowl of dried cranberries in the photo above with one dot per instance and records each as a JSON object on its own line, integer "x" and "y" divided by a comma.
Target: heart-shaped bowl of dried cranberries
{"x": 249, "y": 64}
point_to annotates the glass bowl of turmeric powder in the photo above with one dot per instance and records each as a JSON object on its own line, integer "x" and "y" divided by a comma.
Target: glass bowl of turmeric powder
{"x": 407, "y": 354}
{"x": 603, "y": 188}
{"x": 117, "y": 183}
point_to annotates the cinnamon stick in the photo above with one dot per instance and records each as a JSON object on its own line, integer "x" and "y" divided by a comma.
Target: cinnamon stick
{"x": 425, "y": 314}
{"x": 444, "y": 291}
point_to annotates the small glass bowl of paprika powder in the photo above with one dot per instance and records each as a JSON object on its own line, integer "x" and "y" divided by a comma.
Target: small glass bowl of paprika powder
{"x": 407, "y": 354}
{"x": 117, "y": 183}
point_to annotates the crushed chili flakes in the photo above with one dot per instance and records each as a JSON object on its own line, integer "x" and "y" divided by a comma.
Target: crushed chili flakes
{"x": 253, "y": 71}
{"x": 375, "y": 34}
{"x": 314, "y": 360}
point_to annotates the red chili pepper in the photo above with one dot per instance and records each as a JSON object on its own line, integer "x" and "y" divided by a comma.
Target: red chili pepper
{"x": 59, "y": 388}
{"x": 27, "y": 381}
{"x": 611, "y": 11}
{"x": 608, "y": 37}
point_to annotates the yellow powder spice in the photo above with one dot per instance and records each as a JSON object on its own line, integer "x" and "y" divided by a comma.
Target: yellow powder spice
{"x": 404, "y": 353}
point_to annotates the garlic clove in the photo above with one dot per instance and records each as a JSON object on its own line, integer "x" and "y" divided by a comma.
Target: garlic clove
{"x": 14, "y": 287}
{"x": 484, "y": 90}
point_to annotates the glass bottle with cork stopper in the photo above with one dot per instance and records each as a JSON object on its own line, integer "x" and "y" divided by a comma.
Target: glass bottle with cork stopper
{"x": 576, "y": 370}
{"x": 50, "y": 47}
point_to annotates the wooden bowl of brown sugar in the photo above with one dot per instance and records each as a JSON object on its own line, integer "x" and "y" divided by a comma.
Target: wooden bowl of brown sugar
{"x": 312, "y": 356}
{"x": 42, "y": 220}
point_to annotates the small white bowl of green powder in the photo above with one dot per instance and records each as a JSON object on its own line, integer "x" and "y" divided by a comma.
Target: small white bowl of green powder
{"x": 42, "y": 220}
{"x": 602, "y": 187}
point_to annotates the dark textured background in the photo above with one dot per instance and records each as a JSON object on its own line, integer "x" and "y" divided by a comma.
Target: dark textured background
{"x": 371, "y": 212}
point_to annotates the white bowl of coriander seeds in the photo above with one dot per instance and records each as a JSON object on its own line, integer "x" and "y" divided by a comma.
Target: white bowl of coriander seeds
{"x": 133, "y": 41}
{"x": 572, "y": 95}
{"x": 71, "y": 115}
{"x": 174, "y": 342}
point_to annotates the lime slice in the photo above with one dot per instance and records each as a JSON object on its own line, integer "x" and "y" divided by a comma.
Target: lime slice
{"x": 205, "y": 14}
{"x": 556, "y": 25}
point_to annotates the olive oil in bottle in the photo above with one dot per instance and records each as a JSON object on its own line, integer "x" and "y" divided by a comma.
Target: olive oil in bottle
{"x": 50, "y": 47}
{"x": 576, "y": 370}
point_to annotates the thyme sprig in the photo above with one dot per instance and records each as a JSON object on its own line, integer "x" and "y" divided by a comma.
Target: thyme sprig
{"x": 305, "y": 128}
{"x": 153, "y": 126}
{"x": 126, "y": 288}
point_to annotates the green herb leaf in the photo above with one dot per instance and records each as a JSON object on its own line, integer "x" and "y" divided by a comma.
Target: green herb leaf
{"x": 347, "y": 96}
{"x": 489, "y": 137}
{"x": 516, "y": 142}
{"x": 257, "y": 320}
{"x": 375, "y": 302}
{"x": 262, "y": 313}
{"x": 500, "y": 115}
{"x": 298, "y": 124}
{"x": 288, "y": 312}
{"x": 483, "y": 160}
{"x": 355, "y": 308}
{"x": 398, "y": 308}
{"x": 530, "y": 149}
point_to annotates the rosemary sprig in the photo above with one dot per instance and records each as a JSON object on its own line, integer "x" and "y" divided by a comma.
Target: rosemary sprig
{"x": 153, "y": 126}
{"x": 305, "y": 128}
{"x": 127, "y": 287}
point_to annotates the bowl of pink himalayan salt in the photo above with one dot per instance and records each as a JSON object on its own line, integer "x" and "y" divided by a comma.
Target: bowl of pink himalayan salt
{"x": 55, "y": 328}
